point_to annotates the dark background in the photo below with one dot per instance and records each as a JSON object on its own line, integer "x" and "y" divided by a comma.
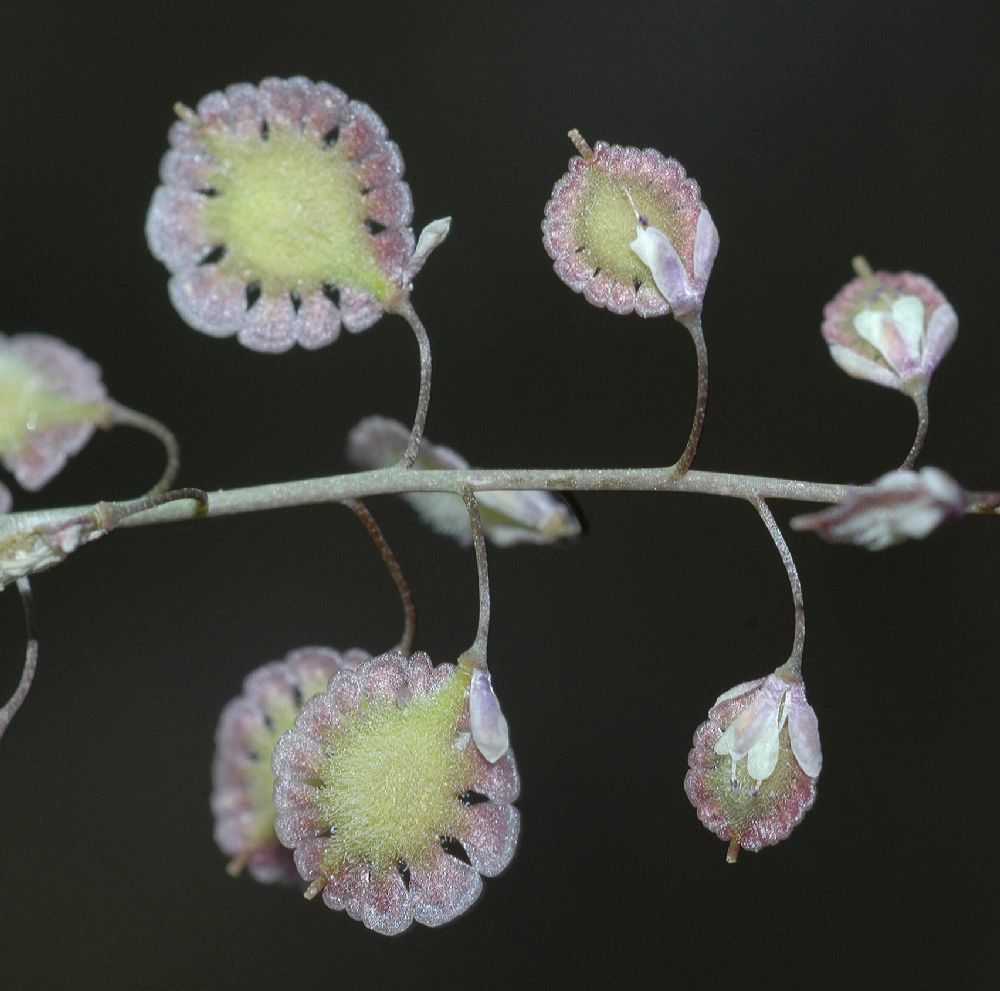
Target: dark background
{"x": 817, "y": 131}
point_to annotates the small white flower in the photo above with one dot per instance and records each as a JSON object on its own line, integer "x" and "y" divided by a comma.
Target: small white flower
{"x": 889, "y": 328}
{"x": 755, "y": 733}
{"x": 657, "y": 252}
{"x": 25, "y": 552}
{"x": 902, "y": 505}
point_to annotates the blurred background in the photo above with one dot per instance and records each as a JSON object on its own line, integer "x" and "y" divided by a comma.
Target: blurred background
{"x": 817, "y": 131}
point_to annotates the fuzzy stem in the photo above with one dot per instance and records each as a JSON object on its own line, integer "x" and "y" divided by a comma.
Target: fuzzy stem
{"x": 10, "y": 708}
{"x": 923, "y": 421}
{"x": 794, "y": 663}
{"x": 397, "y": 480}
{"x": 478, "y": 649}
{"x": 405, "y": 309}
{"x": 683, "y": 463}
{"x": 395, "y": 572}
{"x": 125, "y": 417}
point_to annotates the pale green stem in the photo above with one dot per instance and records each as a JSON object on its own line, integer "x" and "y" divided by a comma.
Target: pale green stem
{"x": 397, "y": 480}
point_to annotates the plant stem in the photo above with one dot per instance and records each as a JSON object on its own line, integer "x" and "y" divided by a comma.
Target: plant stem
{"x": 396, "y": 480}
{"x": 478, "y": 649}
{"x": 683, "y": 463}
{"x": 794, "y": 663}
{"x": 923, "y": 421}
{"x": 10, "y": 708}
{"x": 125, "y": 417}
{"x": 395, "y": 572}
{"x": 409, "y": 314}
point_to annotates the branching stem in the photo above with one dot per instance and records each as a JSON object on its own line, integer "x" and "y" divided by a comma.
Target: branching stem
{"x": 397, "y": 480}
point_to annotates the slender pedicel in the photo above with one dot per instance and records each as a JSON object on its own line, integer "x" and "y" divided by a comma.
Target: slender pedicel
{"x": 405, "y": 309}
{"x": 923, "y": 421}
{"x": 10, "y": 708}
{"x": 395, "y": 572}
{"x": 692, "y": 323}
{"x": 486, "y": 719}
{"x": 794, "y": 663}
{"x": 123, "y": 416}
{"x": 478, "y": 649}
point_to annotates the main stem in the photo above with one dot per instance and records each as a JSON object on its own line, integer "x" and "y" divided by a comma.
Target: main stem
{"x": 396, "y": 480}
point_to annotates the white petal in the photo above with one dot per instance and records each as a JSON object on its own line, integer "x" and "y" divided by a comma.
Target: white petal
{"x": 657, "y": 253}
{"x": 740, "y": 689}
{"x": 489, "y": 728}
{"x": 444, "y": 513}
{"x": 706, "y": 247}
{"x": 864, "y": 368}
{"x": 803, "y": 729}
{"x": 908, "y": 312}
{"x": 897, "y": 336}
{"x": 942, "y": 487}
{"x": 529, "y": 516}
{"x": 755, "y": 722}
{"x": 941, "y": 331}
{"x": 430, "y": 237}
{"x": 763, "y": 757}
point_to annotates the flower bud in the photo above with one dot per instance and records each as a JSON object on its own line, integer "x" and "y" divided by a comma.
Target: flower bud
{"x": 902, "y": 505}
{"x": 489, "y": 727}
